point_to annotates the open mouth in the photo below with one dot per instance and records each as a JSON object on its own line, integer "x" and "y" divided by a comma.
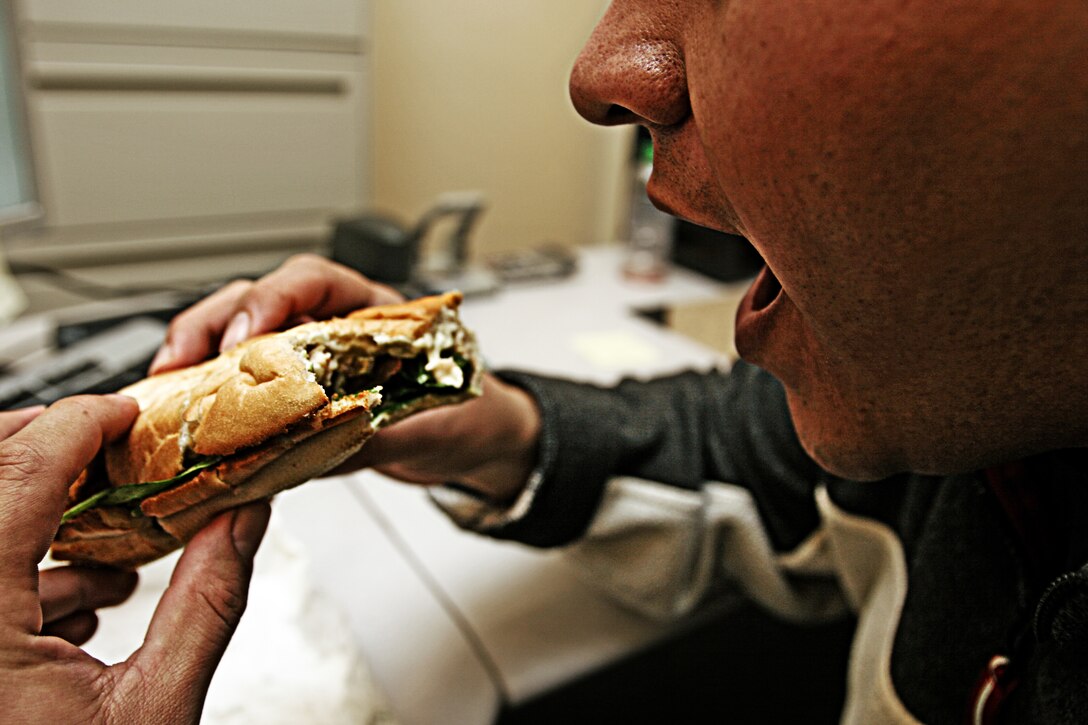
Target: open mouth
{"x": 760, "y": 313}
{"x": 765, "y": 290}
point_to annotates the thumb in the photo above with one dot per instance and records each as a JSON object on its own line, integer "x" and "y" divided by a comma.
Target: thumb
{"x": 199, "y": 612}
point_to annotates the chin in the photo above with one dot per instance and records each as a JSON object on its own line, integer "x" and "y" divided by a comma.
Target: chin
{"x": 850, "y": 462}
{"x": 843, "y": 446}
{"x": 847, "y": 459}
{"x": 859, "y": 451}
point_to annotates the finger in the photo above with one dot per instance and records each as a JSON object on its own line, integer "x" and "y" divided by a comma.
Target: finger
{"x": 489, "y": 443}
{"x": 39, "y": 462}
{"x": 75, "y": 628}
{"x": 438, "y": 442}
{"x": 195, "y": 333}
{"x": 201, "y": 608}
{"x": 305, "y": 285}
{"x": 393, "y": 453}
{"x": 70, "y": 589}
{"x": 11, "y": 422}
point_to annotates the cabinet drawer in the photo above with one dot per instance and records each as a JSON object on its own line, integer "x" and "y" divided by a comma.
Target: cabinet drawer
{"x": 191, "y": 141}
{"x": 109, "y": 21}
{"x": 122, "y": 143}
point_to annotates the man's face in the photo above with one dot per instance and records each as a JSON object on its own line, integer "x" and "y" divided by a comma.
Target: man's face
{"x": 912, "y": 175}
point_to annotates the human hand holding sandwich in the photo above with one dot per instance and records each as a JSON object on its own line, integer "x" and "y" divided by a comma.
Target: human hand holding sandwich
{"x": 488, "y": 443}
{"x": 45, "y": 615}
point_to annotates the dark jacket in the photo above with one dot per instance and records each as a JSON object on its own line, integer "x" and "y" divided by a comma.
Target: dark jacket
{"x": 943, "y": 572}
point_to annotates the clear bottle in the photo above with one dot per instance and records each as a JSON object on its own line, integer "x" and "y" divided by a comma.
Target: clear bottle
{"x": 648, "y": 254}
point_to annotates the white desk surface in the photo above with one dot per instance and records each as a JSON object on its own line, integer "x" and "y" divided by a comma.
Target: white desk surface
{"x": 449, "y": 622}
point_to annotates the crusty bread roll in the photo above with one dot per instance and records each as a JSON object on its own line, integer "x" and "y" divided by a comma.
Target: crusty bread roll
{"x": 269, "y": 414}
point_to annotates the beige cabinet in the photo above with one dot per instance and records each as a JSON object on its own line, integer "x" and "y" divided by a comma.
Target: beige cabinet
{"x": 184, "y": 142}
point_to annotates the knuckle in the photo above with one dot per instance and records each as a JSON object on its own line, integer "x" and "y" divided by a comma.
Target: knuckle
{"x": 20, "y": 459}
{"x": 225, "y": 602}
{"x": 268, "y": 296}
{"x": 181, "y": 321}
{"x": 226, "y": 296}
{"x": 309, "y": 264}
{"x": 231, "y": 296}
{"x": 77, "y": 405}
{"x": 307, "y": 259}
{"x": 88, "y": 410}
{"x": 200, "y": 318}
{"x": 236, "y": 288}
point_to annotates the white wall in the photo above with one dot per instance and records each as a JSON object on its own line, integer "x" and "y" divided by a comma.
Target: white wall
{"x": 472, "y": 94}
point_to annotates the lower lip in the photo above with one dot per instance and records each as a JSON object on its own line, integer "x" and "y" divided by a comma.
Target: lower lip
{"x": 757, "y": 314}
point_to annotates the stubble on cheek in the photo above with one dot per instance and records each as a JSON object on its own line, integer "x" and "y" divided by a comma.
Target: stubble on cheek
{"x": 685, "y": 182}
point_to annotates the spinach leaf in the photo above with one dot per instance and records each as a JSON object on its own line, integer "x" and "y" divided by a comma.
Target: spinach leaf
{"x": 136, "y": 491}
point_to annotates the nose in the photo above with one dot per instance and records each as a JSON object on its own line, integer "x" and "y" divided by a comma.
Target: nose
{"x": 625, "y": 74}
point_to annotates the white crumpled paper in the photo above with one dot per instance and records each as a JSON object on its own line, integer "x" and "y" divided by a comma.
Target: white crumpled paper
{"x": 292, "y": 660}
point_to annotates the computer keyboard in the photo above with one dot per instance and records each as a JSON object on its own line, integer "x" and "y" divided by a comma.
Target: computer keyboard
{"x": 99, "y": 363}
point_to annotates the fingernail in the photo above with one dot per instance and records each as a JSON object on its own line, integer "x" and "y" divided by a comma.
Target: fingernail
{"x": 248, "y": 528}
{"x": 163, "y": 357}
{"x": 236, "y": 332}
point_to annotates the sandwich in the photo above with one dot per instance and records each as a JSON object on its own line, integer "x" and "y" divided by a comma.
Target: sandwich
{"x": 267, "y": 415}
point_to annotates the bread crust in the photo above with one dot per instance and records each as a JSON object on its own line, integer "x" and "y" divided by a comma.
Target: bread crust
{"x": 113, "y": 537}
{"x": 259, "y": 406}
{"x": 297, "y": 464}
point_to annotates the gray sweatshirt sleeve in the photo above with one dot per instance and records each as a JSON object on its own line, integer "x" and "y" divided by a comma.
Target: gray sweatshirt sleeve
{"x": 683, "y": 431}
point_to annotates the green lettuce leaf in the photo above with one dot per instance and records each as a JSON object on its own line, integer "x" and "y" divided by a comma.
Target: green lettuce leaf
{"x": 136, "y": 491}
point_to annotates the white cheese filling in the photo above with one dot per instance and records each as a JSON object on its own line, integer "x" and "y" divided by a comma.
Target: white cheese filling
{"x": 326, "y": 368}
{"x": 447, "y": 334}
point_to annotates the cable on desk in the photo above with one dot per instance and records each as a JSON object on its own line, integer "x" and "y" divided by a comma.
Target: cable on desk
{"x": 459, "y": 619}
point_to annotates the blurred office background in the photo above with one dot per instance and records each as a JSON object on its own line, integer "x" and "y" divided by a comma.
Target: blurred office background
{"x": 178, "y": 144}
